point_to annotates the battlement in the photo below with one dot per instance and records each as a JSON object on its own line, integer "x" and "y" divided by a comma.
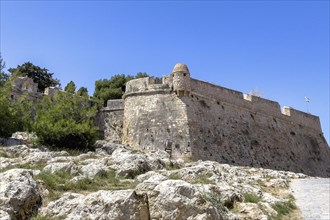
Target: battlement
{"x": 302, "y": 118}
{"x": 191, "y": 118}
{"x": 177, "y": 82}
{"x": 144, "y": 85}
{"x": 114, "y": 105}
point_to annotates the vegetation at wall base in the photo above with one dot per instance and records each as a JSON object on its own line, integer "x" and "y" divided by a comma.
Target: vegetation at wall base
{"x": 66, "y": 121}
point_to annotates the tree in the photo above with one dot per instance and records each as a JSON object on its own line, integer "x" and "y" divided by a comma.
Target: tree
{"x": 83, "y": 92}
{"x": 141, "y": 75}
{"x": 114, "y": 87}
{"x": 3, "y": 75}
{"x": 70, "y": 87}
{"x": 66, "y": 121}
{"x": 15, "y": 114}
{"x": 39, "y": 75}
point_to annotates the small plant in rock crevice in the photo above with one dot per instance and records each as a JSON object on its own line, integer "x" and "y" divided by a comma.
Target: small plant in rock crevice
{"x": 174, "y": 176}
{"x": 251, "y": 197}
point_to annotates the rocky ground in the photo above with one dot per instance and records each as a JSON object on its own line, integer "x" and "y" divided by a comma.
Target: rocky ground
{"x": 116, "y": 182}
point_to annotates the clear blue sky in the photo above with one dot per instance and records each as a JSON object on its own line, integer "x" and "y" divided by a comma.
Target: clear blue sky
{"x": 280, "y": 48}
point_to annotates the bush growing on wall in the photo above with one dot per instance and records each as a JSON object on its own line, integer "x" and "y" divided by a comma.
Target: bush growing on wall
{"x": 66, "y": 121}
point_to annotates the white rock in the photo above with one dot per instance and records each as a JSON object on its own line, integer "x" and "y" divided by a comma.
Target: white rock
{"x": 177, "y": 199}
{"x": 123, "y": 204}
{"x": 250, "y": 211}
{"x": 19, "y": 193}
{"x": 94, "y": 169}
{"x": 4, "y": 215}
{"x": 68, "y": 167}
{"x": 127, "y": 164}
{"x": 105, "y": 147}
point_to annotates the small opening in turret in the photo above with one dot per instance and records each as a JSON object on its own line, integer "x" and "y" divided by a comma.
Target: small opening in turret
{"x": 184, "y": 74}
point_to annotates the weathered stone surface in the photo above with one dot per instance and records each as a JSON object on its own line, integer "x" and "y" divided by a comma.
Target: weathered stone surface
{"x": 121, "y": 205}
{"x": 43, "y": 157}
{"x": 9, "y": 141}
{"x": 106, "y": 147}
{"x": 19, "y": 194}
{"x": 127, "y": 164}
{"x": 184, "y": 190}
{"x": 250, "y": 211}
{"x": 190, "y": 118}
{"x": 68, "y": 167}
{"x": 94, "y": 169}
{"x": 176, "y": 199}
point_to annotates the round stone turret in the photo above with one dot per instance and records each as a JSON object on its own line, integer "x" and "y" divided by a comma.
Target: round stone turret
{"x": 181, "y": 79}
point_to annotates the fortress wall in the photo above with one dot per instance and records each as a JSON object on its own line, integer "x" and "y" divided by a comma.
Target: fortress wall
{"x": 115, "y": 104}
{"x": 153, "y": 119}
{"x": 216, "y": 92}
{"x": 110, "y": 120}
{"x": 146, "y": 84}
{"x": 258, "y": 104}
{"x": 236, "y": 136}
{"x": 253, "y": 103}
{"x": 302, "y": 118}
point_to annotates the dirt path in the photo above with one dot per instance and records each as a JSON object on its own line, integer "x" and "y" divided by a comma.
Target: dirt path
{"x": 312, "y": 197}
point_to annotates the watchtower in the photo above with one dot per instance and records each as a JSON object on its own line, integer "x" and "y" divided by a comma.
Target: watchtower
{"x": 181, "y": 79}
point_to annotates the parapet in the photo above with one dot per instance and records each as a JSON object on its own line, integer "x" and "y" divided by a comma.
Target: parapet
{"x": 265, "y": 106}
{"x": 144, "y": 85}
{"x": 302, "y": 118}
{"x": 179, "y": 81}
{"x": 115, "y": 105}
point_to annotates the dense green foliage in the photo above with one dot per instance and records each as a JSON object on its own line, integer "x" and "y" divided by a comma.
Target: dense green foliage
{"x": 38, "y": 74}
{"x": 66, "y": 121}
{"x": 114, "y": 87}
{"x": 15, "y": 114}
{"x": 3, "y": 76}
{"x": 83, "y": 92}
{"x": 70, "y": 87}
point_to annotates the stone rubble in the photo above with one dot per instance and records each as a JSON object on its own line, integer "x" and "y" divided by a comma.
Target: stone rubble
{"x": 164, "y": 189}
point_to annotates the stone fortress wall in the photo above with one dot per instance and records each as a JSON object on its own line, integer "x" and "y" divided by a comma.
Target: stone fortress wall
{"x": 190, "y": 118}
{"x": 26, "y": 85}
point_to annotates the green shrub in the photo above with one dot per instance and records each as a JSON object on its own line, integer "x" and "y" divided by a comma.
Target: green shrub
{"x": 251, "y": 197}
{"x": 66, "y": 121}
{"x": 283, "y": 208}
{"x": 215, "y": 200}
{"x": 15, "y": 114}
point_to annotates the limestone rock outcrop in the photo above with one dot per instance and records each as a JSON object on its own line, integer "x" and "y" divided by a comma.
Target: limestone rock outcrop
{"x": 19, "y": 194}
{"x": 117, "y": 182}
{"x": 121, "y": 205}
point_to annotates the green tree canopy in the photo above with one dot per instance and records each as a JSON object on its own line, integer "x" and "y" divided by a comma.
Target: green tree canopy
{"x": 66, "y": 121}
{"x": 3, "y": 76}
{"x": 83, "y": 92}
{"x": 15, "y": 114}
{"x": 39, "y": 75}
{"x": 114, "y": 87}
{"x": 70, "y": 87}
